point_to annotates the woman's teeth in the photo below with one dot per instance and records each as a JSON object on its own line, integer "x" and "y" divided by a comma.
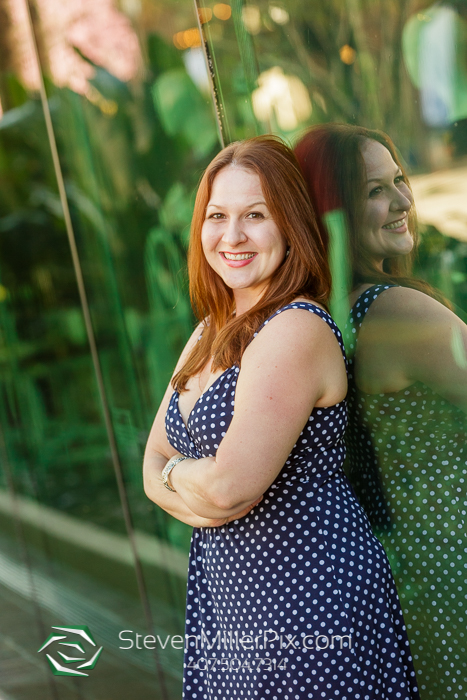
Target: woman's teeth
{"x": 239, "y": 256}
{"x": 395, "y": 224}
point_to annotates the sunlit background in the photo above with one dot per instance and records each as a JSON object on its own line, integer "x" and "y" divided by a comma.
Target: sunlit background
{"x": 140, "y": 95}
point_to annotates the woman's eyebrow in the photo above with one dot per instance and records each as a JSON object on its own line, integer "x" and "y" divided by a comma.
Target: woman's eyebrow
{"x": 379, "y": 179}
{"x": 253, "y": 204}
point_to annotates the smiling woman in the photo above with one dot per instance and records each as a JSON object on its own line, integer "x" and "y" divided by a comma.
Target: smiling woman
{"x": 247, "y": 447}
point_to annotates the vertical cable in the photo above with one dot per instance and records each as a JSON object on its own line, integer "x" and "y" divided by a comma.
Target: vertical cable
{"x": 93, "y": 347}
{"x": 223, "y": 129}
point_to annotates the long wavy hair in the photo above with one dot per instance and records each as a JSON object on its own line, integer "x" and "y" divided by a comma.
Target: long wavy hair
{"x": 303, "y": 273}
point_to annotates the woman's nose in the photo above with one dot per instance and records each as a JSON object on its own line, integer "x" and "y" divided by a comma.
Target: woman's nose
{"x": 233, "y": 232}
{"x": 403, "y": 199}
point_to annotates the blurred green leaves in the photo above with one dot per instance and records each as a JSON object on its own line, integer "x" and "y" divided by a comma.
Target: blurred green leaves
{"x": 176, "y": 211}
{"x": 184, "y": 111}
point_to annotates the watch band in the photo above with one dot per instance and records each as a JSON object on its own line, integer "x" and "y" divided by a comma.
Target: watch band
{"x": 167, "y": 469}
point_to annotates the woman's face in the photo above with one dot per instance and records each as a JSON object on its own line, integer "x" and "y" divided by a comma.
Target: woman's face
{"x": 384, "y": 229}
{"x": 240, "y": 239}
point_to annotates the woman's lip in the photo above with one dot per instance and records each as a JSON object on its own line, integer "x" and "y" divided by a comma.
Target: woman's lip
{"x": 238, "y": 263}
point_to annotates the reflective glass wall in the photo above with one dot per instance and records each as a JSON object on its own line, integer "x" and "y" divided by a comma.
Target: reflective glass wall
{"x": 110, "y": 110}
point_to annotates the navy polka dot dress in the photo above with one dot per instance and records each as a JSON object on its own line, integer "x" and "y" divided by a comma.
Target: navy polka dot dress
{"x": 296, "y": 600}
{"x": 407, "y": 460}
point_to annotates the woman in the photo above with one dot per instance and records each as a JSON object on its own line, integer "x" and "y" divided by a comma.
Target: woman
{"x": 289, "y": 593}
{"x": 407, "y": 434}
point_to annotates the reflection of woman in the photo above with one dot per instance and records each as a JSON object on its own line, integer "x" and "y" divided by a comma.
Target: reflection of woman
{"x": 289, "y": 593}
{"x": 407, "y": 436}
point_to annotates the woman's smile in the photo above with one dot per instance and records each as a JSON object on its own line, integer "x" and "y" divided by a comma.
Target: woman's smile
{"x": 238, "y": 259}
{"x": 399, "y": 226}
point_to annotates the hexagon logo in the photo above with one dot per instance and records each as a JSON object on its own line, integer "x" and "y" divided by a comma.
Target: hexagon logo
{"x": 79, "y": 640}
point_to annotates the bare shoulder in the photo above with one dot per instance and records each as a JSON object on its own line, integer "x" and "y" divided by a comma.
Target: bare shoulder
{"x": 299, "y": 327}
{"x": 304, "y": 300}
{"x": 408, "y": 336}
{"x": 297, "y": 351}
{"x": 408, "y": 305}
{"x": 294, "y": 336}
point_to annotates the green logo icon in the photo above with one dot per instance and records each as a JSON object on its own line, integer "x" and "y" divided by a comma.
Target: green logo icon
{"x": 74, "y": 647}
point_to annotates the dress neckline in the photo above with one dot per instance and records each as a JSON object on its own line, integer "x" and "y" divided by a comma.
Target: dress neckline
{"x": 211, "y": 386}
{"x": 369, "y": 289}
{"x": 176, "y": 394}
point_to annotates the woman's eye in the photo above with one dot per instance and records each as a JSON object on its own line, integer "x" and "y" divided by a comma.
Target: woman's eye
{"x": 375, "y": 191}
{"x": 255, "y": 215}
{"x": 216, "y": 216}
{"x": 399, "y": 179}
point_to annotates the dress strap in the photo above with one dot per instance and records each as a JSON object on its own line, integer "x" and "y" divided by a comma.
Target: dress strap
{"x": 358, "y": 312}
{"x": 314, "y": 309}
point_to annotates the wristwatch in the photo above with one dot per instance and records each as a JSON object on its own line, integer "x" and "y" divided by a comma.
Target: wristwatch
{"x": 167, "y": 469}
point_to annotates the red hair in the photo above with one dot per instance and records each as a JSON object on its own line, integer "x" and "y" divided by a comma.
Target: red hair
{"x": 330, "y": 156}
{"x": 304, "y": 272}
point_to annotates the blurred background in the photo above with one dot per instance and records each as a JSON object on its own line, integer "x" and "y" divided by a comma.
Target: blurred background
{"x": 109, "y": 111}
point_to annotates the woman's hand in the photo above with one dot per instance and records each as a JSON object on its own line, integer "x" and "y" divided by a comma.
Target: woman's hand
{"x": 224, "y": 521}
{"x": 172, "y": 503}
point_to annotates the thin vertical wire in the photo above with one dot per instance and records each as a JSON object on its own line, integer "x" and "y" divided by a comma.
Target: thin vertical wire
{"x": 92, "y": 345}
{"x": 223, "y": 129}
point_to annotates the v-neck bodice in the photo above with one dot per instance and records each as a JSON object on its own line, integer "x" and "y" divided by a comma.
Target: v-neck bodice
{"x": 212, "y": 413}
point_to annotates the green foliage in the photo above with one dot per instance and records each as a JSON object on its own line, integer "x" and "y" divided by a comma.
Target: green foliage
{"x": 176, "y": 210}
{"x": 129, "y": 170}
{"x": 442, "y": 262}
{"x": 183, "y": 110}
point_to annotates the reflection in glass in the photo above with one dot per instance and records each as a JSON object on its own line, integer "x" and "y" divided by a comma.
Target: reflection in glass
{"x": 407, "y": 434}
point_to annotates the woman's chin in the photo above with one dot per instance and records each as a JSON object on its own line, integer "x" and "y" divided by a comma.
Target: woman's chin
{"x": 396, "y": 250}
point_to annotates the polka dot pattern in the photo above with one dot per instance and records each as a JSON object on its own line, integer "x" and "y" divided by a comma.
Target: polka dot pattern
{"x": 302, "y": 578}
{"x": 407, "y": 460}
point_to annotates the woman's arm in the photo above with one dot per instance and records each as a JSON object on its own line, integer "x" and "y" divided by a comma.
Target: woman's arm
{"x": 173, "y": 504}
{"x": 408, "y": 336}
{"x": 159, "y": 451}
{"x": 294, "y": 364}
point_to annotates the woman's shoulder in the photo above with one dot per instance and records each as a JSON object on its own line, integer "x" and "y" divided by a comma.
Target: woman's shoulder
{"x": 307, "y": 301}
{"x": 298, "y": 305}
{"x": 289, "y": 325}
{"x": 408, "y": 305}
{"x": 404, "y": 322}
{"x": 300, "y": 347}
{"x": 295, "y": 316}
